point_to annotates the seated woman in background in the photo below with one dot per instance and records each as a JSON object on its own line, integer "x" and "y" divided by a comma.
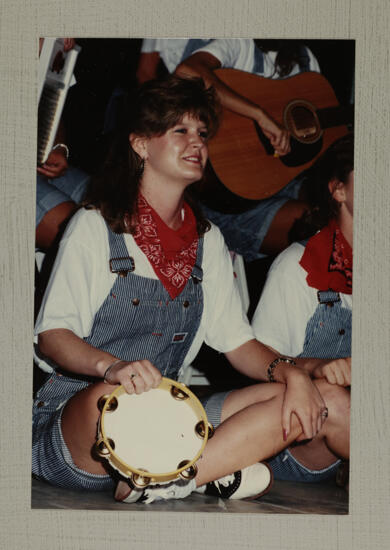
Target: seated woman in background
{"x": 97, "y": 329}
{"x": 60, "y": 187}
{"x": 305, "y": 309}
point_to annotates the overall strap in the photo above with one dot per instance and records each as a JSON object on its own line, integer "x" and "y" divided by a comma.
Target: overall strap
{"x": 120, "y": 261}
{"x": 304, "y": 59}
{"x": 258, "y": 61}
{"x": 328, "y": 297}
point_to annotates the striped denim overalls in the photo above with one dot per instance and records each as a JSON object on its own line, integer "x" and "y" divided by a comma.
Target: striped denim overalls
{"x": 137, "y": 320}
{"x": 328, "y": 335}
{"x": 329, "y": 331}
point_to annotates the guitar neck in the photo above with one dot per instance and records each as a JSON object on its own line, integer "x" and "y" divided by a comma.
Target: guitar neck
{"x": 336, "y": 116}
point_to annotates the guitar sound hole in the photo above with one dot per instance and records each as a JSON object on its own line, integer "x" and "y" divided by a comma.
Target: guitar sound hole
{"x": 304, "y": 122}
{"x": 301, "y": 119}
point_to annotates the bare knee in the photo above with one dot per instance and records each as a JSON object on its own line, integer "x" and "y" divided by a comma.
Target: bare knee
{"x": 337, "y": 399}
{"x": 79, "y": 426}
{"x": 335, "y": 430}
{"x": 52, "y": 224}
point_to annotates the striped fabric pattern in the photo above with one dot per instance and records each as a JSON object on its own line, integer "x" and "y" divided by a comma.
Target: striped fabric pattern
{"x": 51, "y": 459}
{"x": 329, "y": 331}
{"x": 137, "y": 320}
{"x": 286, "y": 467}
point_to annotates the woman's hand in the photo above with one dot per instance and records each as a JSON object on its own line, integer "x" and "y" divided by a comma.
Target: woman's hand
{"x": 55, "y": 165}
{"x": 135, "y": 376}
{"x": 304, "y": 400}
{"x": 68, "y": 43}
{"x": 279, "y": 137}
{"x": 337, "y": 371}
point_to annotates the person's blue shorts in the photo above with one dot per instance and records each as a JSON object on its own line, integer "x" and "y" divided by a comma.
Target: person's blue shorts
{"x": 244, "y": 233}
{"x": 52, "y": 192}
{"x": 285, "y": 466}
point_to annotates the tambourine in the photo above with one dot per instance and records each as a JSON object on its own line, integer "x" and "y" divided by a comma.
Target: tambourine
{"x": 153, "y": 437}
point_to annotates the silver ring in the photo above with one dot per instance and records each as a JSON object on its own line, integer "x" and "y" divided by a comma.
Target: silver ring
{"x": 133, "y": 375}
{"x": 325, "y": 412}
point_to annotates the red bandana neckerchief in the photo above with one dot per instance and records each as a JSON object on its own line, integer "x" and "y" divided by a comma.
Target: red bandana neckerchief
{"x": 172, "y": 254}
{"x": 328, "y": 260}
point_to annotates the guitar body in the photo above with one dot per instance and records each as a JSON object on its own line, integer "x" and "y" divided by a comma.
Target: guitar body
{"x": 239, "y": 158}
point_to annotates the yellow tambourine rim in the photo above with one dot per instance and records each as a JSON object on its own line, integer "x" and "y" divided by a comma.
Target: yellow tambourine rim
{"x": 126, "y": 469}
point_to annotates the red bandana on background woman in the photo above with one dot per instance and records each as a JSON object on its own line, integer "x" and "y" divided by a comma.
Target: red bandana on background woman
{"x": 328, "y": 260}
{"x": 172, "y": 254}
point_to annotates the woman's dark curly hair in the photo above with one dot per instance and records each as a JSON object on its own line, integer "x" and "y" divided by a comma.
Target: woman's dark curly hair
{"x": 158, "y": 106}
{"x": 336, "y": 163}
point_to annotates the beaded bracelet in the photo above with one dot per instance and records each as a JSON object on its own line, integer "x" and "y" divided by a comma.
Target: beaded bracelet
{"x": 275, "y": 362}
{"x": 106, "y": 372}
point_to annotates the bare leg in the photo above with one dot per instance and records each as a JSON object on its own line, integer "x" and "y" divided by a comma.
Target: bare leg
{"x": 276, "y": 238}
{"x": 82, "y": 412}
{"x": 250, "y": 430}
{"x": 245, "y": 436}
{"x": 52, "y": 224}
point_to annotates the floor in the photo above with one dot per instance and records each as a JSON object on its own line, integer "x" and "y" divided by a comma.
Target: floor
{"x": 285, "y": 497}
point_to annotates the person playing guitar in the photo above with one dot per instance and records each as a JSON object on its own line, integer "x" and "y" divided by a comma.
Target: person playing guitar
{"x": 263, "y": 230}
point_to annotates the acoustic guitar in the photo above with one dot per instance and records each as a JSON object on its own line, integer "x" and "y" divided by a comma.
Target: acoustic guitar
{"x": 242, "y": 168}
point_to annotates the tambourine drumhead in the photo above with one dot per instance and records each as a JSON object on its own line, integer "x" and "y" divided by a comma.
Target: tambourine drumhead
{"x": 155, "y": 432}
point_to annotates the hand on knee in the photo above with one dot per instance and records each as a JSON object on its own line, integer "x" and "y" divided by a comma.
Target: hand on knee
{"x": 337, "y": 399}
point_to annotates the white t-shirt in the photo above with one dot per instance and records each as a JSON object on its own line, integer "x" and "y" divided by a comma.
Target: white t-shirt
{"x": 287, "y": 304}
{"x": 80, "y": 281}
{"x": 170, "y": 49}
{"x": 239, "y": 53}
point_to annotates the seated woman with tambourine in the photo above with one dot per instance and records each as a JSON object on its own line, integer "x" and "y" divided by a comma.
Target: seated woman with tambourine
{"x": 141, "y": 280}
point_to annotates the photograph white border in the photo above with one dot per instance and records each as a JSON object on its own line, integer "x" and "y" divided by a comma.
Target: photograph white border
{"x": 367, "y": 524}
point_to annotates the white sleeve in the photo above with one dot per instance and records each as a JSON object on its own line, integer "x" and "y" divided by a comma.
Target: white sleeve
{"x": 313, "y": 63}
{"x": 150, "y": 45}
{"x": 77, "y": 285}
{"x": 227, "y": 324}
{"x": 285, "y": 305}
{"x": 227, "y": 51}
